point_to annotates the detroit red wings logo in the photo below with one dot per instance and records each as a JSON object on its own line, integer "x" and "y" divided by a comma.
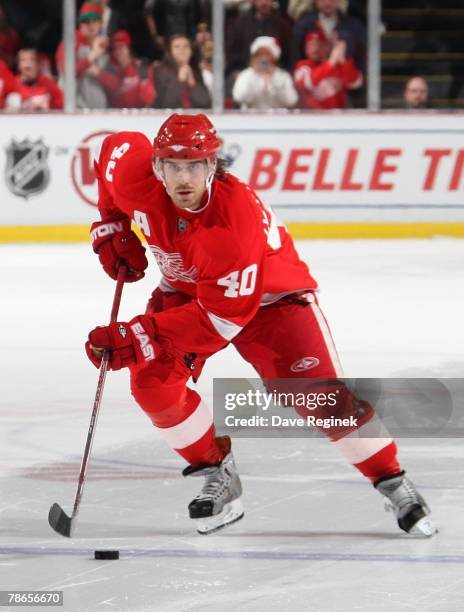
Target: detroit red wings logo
{"x": 305, "y": 363}
{"x": 172, "y": 266}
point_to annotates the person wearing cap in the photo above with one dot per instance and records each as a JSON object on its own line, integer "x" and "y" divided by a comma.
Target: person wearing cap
{"x": 263, "y": 84}
{"x": 326, "y": 76}
{"x": 332, "y": 18}
{"x": 127, "y": 82}
{"x": 91, "y": 51}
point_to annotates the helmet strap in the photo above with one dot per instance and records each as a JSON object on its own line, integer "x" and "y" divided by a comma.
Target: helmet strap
{"x": 212, "y": 165}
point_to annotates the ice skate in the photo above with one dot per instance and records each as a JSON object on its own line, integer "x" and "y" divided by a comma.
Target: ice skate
{"x": 219, "y": 502}
{"x": 410, "y": 508}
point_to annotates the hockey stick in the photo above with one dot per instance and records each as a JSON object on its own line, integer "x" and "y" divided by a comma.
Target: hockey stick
{"x": 57, "y": 517}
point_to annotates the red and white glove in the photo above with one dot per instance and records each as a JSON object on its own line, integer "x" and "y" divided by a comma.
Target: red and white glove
{"x": 129, "y": 343}
{"x": 115, "y": 243}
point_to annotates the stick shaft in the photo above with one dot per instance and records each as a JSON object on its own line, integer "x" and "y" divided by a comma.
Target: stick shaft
{"x": 98, "y": 397}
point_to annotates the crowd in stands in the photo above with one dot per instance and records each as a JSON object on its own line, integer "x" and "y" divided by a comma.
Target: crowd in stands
{"x": 307, "y": 54}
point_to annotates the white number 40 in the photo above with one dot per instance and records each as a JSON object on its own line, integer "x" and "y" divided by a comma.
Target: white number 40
{"x": 240, "y": 282}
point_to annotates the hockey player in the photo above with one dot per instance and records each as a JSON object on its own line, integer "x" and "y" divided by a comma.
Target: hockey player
{"x": 230, "y": 274}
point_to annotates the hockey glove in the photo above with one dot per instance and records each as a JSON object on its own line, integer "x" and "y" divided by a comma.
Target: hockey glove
{"x": 128, "y": 343}
{"x": 115, "y": 242}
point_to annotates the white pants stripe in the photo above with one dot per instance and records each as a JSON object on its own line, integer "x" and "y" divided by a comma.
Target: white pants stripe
{"x": 365, "y": 442}
{"x": 325, "y": 331}
{"x": 189, "y": 431}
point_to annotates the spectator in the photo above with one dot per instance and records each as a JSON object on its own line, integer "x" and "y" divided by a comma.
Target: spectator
{"x": 34, "y": 90}
{"x": 127, "y": 82}
{"x": 7, "y": 83}
{"x": 298, "y": 8}
{"x": 233, "y": 10}
{"x": 9, "y": 40}
{"x": 324, "y": 78}
{"x": 416, "y": 93}
{"x": 165, "y": 18}
{"x": 178, "y": 79}
{"x": 264, "y": 85}
{"x": 261, "y": 20}
{"x": 206, "y": 63}
{"x": 91, "y": 51}
{"x": 329, "y": 18}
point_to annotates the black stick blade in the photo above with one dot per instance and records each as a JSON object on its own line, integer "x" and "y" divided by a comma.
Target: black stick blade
{"x": 59, "y": 521}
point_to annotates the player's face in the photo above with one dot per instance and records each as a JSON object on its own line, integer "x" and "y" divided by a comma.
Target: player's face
{"x": 185, "y": 181}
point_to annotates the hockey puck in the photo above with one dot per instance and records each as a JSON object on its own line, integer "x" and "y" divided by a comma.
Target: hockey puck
{"x": 106, "y": 554}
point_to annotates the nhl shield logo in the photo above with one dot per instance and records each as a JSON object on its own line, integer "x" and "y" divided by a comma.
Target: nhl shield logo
{"x": 26, "y": 171}
{"x": 230, "y": 153}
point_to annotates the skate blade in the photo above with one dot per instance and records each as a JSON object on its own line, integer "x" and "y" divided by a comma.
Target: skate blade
{"x": 232, "y": 513}
{"x": 424, "y": 527}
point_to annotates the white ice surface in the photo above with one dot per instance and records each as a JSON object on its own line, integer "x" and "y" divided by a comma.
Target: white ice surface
{"x": 315, "y": 535}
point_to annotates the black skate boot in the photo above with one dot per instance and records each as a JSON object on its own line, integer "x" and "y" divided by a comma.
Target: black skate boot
{"x": 412, "y": 513}
{"x": 219, "y": 502}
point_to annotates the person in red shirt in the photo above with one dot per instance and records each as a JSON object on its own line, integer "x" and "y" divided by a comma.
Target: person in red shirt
{"x": 36, "y": 91}
{"x": 230, "y": 274}
{"x": 7, "y": 83}
{"x": 127, "y": 82}
{"x": 325, "y": 77}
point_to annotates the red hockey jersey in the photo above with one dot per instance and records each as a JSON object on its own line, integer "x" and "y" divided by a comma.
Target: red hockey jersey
{"x": 129, "y": 87}
{"x": 41, "y": 94}
{"x": 231, "y": 256}
{"x": 322, "y": 85}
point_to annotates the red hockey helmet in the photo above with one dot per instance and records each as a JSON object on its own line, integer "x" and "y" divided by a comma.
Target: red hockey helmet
{"x": 186, "y": 137}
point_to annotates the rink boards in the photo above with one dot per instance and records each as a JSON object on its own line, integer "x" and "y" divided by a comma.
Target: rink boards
{"x": 332, "y": 175}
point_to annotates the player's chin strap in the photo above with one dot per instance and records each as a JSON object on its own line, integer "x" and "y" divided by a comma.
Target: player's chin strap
{"x": 212, "y": 165}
